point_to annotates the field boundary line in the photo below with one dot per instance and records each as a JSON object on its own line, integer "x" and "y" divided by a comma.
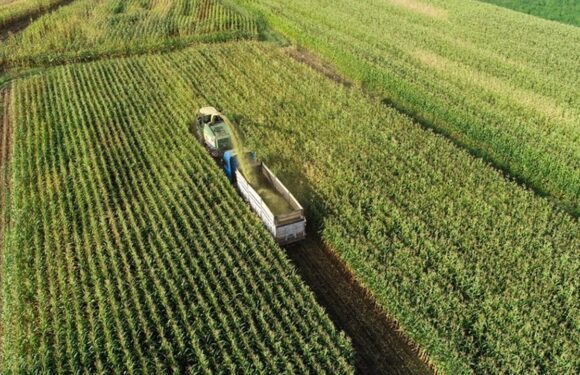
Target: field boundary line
{"x": 168, "y": 47}
{"x": 474, "y": 152}
{"x": 369, "y": 296}
{"x": 307, "y": 57}
{"x": 379, "y": 342}
{"x": 5, "y": 153}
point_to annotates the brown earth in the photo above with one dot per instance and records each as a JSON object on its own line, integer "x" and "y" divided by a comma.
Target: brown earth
{"x": 306, "y": 57}
{"x": 380, "y": 347}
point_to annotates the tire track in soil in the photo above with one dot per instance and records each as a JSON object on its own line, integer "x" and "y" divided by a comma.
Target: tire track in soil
{"x": 379, "y": 346}
{"x": 306, "y": 57}
{"x": 5, "y": 143}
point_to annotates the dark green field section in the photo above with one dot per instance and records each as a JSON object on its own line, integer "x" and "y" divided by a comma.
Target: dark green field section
{"x": 479, "y": 272}
{"x": 128, "y": 251}
{"x": 566, "y": 11}
{"x": 501, "y": 84}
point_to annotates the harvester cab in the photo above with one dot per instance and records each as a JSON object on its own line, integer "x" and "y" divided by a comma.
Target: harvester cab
{"x": 213, "y": 131}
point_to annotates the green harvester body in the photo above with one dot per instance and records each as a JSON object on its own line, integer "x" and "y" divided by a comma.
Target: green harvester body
{"x": 213, "y": 131}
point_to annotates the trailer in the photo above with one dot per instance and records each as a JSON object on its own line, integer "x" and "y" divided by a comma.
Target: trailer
{"x": 278, "y": 209}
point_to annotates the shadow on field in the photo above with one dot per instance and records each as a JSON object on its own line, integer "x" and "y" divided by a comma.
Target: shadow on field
{"x": 379, "y": 347}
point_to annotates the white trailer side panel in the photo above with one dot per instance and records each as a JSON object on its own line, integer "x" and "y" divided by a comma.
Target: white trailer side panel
{"x": 284, "y": 234}
{"x": 291, "y": 232}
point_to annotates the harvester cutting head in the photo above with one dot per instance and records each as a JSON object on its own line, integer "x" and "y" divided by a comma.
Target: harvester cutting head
{"x": 208, "y": 113}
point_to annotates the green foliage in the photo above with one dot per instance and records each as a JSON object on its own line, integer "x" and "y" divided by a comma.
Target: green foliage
{"x": 85, "y": 30}
{"x": 13, "y": 10}
{"x": 129, "y": 250}
{"x": 567, "y": 11}
{"x": 481, "y": 273}
{"x": 502, "y": 84}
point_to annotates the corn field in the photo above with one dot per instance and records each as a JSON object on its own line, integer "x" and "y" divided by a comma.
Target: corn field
{"x": 121, "y": 203}
{"x": 12, "y": 10}
{"x": 130, "y": 252}
{"x": 449, "y": 185}
{"x": 85, "y": 30}
{"x": 481, "y": 273}
{"x": 502, "y": 84}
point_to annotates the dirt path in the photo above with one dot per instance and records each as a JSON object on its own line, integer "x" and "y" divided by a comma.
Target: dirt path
{"x": 18, "y": 24}
{"x": 379, "y": 347}
{"x": 306, "y": 57}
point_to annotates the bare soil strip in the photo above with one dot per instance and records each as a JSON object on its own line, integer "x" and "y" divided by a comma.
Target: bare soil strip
{"x": 380, "y": 347}
{"x": 306, "y": 57}
{"x": 18, "y": 24}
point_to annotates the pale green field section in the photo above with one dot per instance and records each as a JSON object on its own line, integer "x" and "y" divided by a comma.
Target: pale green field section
{"x": 11, "y": 10}
{"x": 500, "y": 83}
